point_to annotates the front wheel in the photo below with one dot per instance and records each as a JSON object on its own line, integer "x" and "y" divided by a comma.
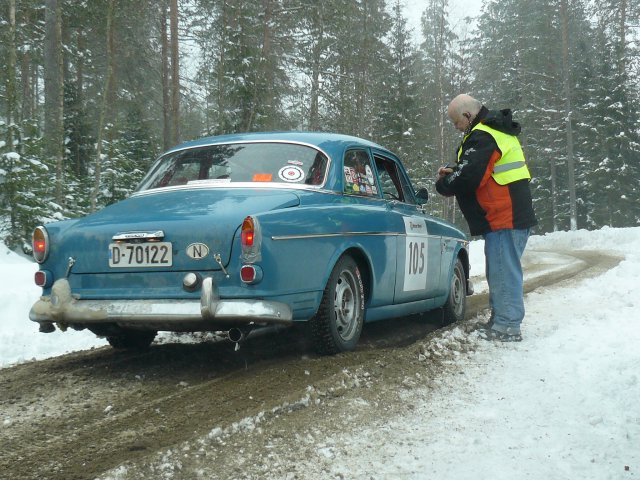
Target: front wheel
{"x": 338, "y": 324}
{"x": 455, "y": 307}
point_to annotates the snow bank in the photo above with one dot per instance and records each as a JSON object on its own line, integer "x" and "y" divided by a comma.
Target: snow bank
{"x": 20, "y": 340}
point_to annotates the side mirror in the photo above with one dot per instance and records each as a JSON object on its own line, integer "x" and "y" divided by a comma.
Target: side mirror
{"x": 422, "y": 195}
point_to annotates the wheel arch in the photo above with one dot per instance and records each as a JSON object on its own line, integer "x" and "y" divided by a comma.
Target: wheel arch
{"x": 364, "y": 265}
{"x": 463, "y": 255}
{"x": 358, "y": 254}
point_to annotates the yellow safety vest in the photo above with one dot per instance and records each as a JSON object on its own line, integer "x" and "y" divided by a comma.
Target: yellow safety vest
{"x": 512, "y": 165}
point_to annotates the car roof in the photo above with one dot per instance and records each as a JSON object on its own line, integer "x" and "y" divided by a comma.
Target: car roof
{"x": 331, "y": 143}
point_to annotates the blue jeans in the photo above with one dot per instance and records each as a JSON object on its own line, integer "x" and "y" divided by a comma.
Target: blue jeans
{"x": 503, "y": 250}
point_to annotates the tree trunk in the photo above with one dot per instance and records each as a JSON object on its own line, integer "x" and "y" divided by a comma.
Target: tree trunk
{"x": 37, "y": 92}
{"x": 314, "y": 116}
{"x": 175, "y": 77}
{"x": 166, "y": 86}
{"x": 554, "y": 201}
{"x": 567, "y": 104}
{"x": 103, "y": 108}
{"x": 439, "y": 60}
{"x": 622, "y": 19}
{"x": 26, "y": 111}
{"x": 225, "y": 19}
{"x": 54, "y": 92}
{"x": 361, "y": 75}
{"x": 11, "y": 76}
{"x": 263, "y": 77}
{"x": 76, "y": 158}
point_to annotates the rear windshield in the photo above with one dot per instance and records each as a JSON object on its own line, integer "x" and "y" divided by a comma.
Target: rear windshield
{"x": 243, "y": 162}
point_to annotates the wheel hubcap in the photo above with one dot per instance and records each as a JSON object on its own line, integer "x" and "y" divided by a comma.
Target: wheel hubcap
{"x": 457, "y": 292}
{"x": 346, "y": 305}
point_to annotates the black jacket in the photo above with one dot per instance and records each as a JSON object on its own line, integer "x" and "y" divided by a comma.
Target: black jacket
{"x": 486, "y": 205}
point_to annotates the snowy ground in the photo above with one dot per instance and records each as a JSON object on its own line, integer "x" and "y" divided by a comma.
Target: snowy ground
{"x": 20, "y": 340}
{"x": 562, "y": 404}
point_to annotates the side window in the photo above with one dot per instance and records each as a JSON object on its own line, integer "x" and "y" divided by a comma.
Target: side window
{"x": 359, "y": 178}
{"x": 393, "y": 182}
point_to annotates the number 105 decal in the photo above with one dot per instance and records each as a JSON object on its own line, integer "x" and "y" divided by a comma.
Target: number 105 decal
{"x": 416, "y": 264}
{"x": 416, "y": 248}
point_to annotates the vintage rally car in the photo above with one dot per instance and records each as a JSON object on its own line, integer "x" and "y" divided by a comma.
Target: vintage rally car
{"x": 240, "y": 231}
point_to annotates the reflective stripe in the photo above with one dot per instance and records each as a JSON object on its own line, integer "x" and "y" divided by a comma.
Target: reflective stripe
{"x": 512, "y": 165}
{"x": 508, "y": 166}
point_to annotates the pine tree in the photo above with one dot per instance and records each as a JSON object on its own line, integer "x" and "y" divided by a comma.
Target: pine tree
{"x": 354, "y": 79}
{"x": 523, "y": 72}
{"x": 437, "y": 90}
{"x": 315, "y": 33}
{"x": 613, "y": 191}
{"x": 247, "y": 46}
{"x": 396, "y": 114}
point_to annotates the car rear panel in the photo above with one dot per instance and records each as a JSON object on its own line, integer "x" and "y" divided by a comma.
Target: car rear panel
{"x": 207, "y": 218}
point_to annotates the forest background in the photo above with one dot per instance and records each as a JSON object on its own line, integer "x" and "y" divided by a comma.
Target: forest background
{"x": 92, "y": 91}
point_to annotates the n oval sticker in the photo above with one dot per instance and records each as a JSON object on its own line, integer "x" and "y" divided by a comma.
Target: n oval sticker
{"x": 197, "y": 251}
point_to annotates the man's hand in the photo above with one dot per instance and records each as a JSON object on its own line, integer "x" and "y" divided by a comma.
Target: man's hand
{"x": 444, "y": 171}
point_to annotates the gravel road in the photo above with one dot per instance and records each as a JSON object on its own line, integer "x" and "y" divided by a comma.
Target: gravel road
{"x": 80, "y": 415}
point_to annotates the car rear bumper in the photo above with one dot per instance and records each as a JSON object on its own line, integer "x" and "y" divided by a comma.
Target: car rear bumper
{"x": 62, "y": 308}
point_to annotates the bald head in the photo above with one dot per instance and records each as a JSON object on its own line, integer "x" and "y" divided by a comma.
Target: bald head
{"x": 462, "y": 110}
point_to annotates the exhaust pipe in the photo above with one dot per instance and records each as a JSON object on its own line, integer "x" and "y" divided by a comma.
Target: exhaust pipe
{"x": 237, "y": 335}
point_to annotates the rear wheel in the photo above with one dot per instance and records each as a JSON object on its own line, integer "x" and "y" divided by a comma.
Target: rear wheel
{"x": 127, "y": 339}
{"x": 338, "y": 324}
{"x": 455, "y": 307}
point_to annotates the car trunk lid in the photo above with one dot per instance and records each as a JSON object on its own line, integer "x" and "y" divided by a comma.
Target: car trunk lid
{"x": 199, "y": 226}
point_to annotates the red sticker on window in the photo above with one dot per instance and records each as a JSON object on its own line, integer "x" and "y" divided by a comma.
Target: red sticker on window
{"x": 262, "y": 177}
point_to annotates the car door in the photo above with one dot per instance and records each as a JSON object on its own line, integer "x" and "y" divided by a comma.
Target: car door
{"x": 418, "y": 249}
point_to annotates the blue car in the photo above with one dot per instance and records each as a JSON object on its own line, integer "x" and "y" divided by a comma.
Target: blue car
{"x": 235, "y": 232}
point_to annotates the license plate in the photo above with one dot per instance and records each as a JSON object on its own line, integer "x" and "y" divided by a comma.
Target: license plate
{"x": 149, "y": 254}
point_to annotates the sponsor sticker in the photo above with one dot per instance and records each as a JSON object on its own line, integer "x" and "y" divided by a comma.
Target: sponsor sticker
{"x": 347, "y": 175}
{"x": 291, "y": 174}
{"x": 369, "y": 174}
{"x": 262, "y": 177}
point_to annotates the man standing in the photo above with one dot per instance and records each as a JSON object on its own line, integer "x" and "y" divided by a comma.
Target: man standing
{"x": 490, "y": 181}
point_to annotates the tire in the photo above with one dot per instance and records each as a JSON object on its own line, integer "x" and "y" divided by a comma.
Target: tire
{"x": 131, "y": 339}
{"x": 455, "y": 307}
{"x": 338, "y": 324}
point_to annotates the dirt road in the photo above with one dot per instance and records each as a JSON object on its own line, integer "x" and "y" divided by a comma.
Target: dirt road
{"x": 80, "y": 415}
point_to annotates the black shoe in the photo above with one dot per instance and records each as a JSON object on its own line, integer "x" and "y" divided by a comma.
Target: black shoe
{"x": 491, "y": 334}
{"x": 506, "y": 337}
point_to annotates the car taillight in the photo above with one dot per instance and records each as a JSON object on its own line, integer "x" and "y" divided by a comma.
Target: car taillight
{"x": 248, "y": 273}
{"x": 248, "y": 232}
{"x": 251, "y": 274}
{"x": 40, "y": 244}
{"x": 40, "y": 278}
{"x": 251, "y": 240}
